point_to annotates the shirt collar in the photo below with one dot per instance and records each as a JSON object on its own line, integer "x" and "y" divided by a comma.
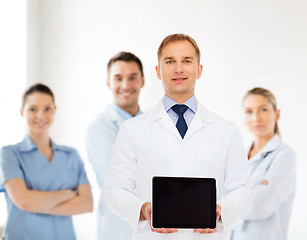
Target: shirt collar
{"x": 27, "y": 145}
{"x": 191, "y": 103}
{"x": 125, "y": 115}
{"x": 271, "y": 145}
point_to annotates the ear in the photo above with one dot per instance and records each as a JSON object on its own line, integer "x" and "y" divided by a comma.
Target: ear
{"x": 108, "y": 82}
{"x": 21, "y": 112}
{"x": 199, "y": 71}
{"x": 277, "y": 115}
{"x": 158, "y": 72}
{"x": 143, "y": 82}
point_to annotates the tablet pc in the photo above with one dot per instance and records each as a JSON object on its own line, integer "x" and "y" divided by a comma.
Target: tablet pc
{"x": 183, "y": 202}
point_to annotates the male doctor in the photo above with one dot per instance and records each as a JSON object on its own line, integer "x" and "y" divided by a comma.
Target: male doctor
{"x": 125, "y": 80}
{"x": 178, "y": 137}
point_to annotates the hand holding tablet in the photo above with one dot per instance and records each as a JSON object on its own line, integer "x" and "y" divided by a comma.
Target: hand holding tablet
{"x": 186, "y": 203}
{"x": 146, "y": 213}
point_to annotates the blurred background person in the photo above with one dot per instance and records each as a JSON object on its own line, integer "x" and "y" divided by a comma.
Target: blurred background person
{"x": 273, "y": 165}
{"x": 125, "y": 80}
{"x": 45, "y": 183}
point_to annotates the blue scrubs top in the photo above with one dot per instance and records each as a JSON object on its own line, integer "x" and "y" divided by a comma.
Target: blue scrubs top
{"x": 65, "y": 171}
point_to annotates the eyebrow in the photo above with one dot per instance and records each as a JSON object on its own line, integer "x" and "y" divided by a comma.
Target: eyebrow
{"x": 170, "y": 58}
{"x": 132, "y": 74}
{"x": 263, "y": 105}
{"x": 47, "y": 105}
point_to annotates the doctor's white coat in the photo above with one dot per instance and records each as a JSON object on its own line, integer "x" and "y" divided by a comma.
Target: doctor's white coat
{"x": 100, "y": 137}
{"x": 269, "y": 215}
{"x": 151, "y": 145}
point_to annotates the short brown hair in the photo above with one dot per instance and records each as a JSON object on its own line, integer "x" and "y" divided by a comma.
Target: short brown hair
{"x": 178, "y": 37}
{"x": 125, "y": 57}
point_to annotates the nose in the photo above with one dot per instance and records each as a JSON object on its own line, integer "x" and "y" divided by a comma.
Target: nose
{"x": 40, "y": 114}
{"x": 125, "y": 83}
{"x": 178, "y": 67}
{"x": 255, "y": 116}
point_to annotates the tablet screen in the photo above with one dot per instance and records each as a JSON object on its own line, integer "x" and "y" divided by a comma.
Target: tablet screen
{"x": 183, "y": 202}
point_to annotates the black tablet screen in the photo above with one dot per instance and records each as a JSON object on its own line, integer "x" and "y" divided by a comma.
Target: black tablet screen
{"x": 180, "y": 202}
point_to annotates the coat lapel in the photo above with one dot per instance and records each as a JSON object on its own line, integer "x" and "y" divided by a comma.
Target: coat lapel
{"x": 160, "y": 115}
{"x": 201, "y": 118}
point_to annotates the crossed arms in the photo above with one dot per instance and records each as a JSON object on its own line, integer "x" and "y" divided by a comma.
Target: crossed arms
{"x": 64, "y": 202}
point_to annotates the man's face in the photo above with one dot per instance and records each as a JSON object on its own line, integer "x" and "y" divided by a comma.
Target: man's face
{"x": 178, "y": 69}
{"x": 125, "y": 81}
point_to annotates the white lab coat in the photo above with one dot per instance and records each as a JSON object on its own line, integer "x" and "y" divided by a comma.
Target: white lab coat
{"x": 100, "y": 137}
{"x": 269, "y": 216}
{"x": 151, "y": 145}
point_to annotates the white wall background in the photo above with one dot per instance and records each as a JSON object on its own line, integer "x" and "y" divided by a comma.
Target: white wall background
{"x": 13, "y": 32}
{"x": 244, "y": 44}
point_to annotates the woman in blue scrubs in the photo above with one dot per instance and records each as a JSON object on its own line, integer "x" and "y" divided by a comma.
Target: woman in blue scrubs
{"x": 45, "y": 183}
{"x": 272, "y": 164}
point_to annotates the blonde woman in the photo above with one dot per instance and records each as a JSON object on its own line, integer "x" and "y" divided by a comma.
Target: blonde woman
{"x": 272, "y": 164}
{"x": 45, "y": 183}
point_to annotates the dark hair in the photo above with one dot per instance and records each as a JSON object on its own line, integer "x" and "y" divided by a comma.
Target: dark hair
{"x": 126, "y": 57}
{"x": 38, "y": 87}
{"x": 178, "y": 37}
{"x": 269, "y": 96}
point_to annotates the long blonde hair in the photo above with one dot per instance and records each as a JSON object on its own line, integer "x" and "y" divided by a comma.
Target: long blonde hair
{"x": 269, "y": 96}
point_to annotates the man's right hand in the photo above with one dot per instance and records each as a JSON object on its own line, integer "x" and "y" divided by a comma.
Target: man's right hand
{"x": 146, "y": 215}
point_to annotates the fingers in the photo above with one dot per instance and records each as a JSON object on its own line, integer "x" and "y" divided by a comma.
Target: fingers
{"x": 205, "y": 231}
{"x": 165, "y": 230}
{"x": 209, "y": 230}
{"x": 264, "y": 182}
{"x": 158, "y": 230}
{"x": 218, "y": 211}
{"x": 148, "y": 210}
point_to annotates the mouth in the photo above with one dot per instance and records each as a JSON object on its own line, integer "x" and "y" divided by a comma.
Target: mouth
{"x": 126, "y": 94}
{"x": 41, "y": 125}
{"x": 258, "y": 127}
{"x": 179, "y": 79}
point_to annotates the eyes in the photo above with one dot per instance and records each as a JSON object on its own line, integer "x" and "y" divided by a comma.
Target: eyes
{"x": 130, "y": 78}
{"x": 186, "y": 61}
{"x": 36, "y": 109}
{"x": 120, "y": 79}
{"x": 261, "y": 110}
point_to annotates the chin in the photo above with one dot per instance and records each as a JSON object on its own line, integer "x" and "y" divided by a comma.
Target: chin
{"x": 260, "y": 134}
{"x": 40, "y": 130}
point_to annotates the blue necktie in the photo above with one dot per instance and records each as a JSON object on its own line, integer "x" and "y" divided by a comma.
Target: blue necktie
{"x": 181, "y": 123}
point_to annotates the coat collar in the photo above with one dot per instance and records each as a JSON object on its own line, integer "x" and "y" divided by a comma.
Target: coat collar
{"x": 158, "y": 112}
{"x": 271, "y": 145}
{"x": 113, "y": 114}
{"x": 201, "y": 118}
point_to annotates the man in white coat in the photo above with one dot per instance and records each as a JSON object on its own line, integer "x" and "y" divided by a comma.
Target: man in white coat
{"x": 178, "y": 137}
{"x": 125, "y": 80}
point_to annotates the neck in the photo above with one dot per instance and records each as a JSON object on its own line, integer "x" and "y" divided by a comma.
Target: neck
{"x": 260, "y": 142}
{"x": 40, "y": 140}
{"x": 180, "y": 99}
{"x": 131, "y": 110}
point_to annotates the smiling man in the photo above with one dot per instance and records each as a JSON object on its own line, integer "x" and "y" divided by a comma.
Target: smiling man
{"x": 178, "y": 137}
{"x": 125, "y": 80}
